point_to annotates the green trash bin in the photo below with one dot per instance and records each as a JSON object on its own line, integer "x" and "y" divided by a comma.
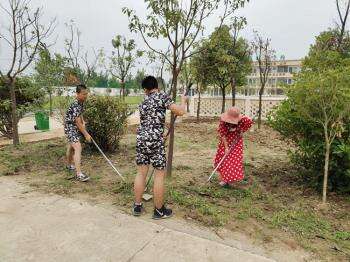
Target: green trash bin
{"x": 42, "y": 121}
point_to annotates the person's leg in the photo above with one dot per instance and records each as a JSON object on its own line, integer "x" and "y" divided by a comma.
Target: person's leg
{"x": 77, "y": 156}
{"x": 160, "y": 211}
{"x": 69, "y": 155}
{"x": 158, "y": 188}
{"x": 158, "y": 161}
{"x": 140, "y": 182}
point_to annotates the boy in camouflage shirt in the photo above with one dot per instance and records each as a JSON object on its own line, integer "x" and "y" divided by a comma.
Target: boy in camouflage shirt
{"x": 74, "y": 129}
{"x": 150, "y": 149}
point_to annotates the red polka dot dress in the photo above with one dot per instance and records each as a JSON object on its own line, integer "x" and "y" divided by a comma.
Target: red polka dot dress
{"x": 231, "y": 169}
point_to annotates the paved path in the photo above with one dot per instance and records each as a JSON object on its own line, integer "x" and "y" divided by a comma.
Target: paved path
{"x": 38, "y": 227}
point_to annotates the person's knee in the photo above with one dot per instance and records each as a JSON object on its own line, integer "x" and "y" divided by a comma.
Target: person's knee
{"x": 141, "y": 176}
{"x": 71, "y": 150}
{"x": 76, "y": 147}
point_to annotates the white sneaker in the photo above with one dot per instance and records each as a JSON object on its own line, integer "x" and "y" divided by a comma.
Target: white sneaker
{"x": 82, "y": 178}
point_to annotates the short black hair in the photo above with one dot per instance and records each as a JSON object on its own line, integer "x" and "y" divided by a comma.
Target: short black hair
{"x": 149, "y": 83}
{"x": 80, "y": 88}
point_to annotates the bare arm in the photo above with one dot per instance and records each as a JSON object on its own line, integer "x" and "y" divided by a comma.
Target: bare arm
{"x": 224, "y": 140}
{"x": 81, "y": 126}
{"x": 222, "y": 132}
{"x": 179, "y": 110}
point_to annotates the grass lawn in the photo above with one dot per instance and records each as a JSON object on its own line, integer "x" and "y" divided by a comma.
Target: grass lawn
{"x": 271, "y": 205}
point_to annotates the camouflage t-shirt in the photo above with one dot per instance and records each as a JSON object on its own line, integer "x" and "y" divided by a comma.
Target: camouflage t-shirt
{"x": 152, "y": 116}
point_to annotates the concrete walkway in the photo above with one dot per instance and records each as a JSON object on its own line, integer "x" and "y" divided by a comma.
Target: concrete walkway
{"x": 39, "y": 227}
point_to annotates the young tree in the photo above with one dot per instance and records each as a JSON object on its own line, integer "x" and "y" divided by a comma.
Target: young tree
{"x": 25, "y": 34}
{"x": 140, "y": 75}
{"x": 343, "y": 18}
{"x": 221, "y": 60}
{"x": 79, "y": 60}
{"x": 324, "y": 99}
{"x": 28, "y": 97}
{"x": 123, "y": 59}
{"x": 316, "y": 114}
{"x": 180, "y": 22}
{"x": 50, "y": 72}
{"x": 226, "y": 61}
{"x": 185, "y": 78}
{"x": 243, "y": 66}
{"x": 200, "y": 73}
{"x": 242, "y": 52}
{"x": 160, "y": 67}
{"x": 265, "y": 55}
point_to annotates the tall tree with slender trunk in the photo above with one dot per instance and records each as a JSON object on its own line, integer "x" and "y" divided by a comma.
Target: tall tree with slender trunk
{"x": 123, "y": 60}
{"x": 24, "y": 34}
{"x": 264, "y": 55}
{"x": 200, "y": 74}
{"x": 50, "y": 72}
{"x": 242, "y": 52}
{"x": 343, "y": 19}
{"x": 180, "y": 22}
{"x": 83, "y": 64}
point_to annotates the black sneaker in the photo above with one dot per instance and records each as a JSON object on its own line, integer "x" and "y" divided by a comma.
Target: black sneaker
{"x": 162, "y": 213}
{"x": 137, "y": 210}
{"x": 70, "y": 168}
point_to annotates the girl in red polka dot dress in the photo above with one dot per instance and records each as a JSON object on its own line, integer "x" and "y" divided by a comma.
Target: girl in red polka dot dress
{"x": 231, "y": 128}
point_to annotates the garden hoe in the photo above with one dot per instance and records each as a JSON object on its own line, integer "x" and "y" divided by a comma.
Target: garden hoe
{"x": 107, "y": 159}
{"x": 222, "y": 160}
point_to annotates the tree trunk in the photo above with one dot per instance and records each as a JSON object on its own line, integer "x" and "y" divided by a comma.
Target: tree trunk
{"x": 188, "y": 106}
{"x": 122, "y": 89}
{"x": 233, "y": 90}
{"x": 15, "y": 135}
{"x": 198, "y": 105}
{"x": 325, "y": 175}
{"x": 223, "y": 107}
{"x": 260, "y": 107}
{"x": 172, "y": 123}
{"x": 50, "y": 98}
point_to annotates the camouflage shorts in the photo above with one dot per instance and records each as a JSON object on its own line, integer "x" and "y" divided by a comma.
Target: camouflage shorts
{"x": 72, "y": 133}
{"x": 151, "y": 152}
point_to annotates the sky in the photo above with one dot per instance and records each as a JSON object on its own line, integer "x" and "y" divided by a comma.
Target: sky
{"x": 291, "y": 24}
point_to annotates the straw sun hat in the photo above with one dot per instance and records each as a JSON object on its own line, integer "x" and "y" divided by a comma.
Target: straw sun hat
{"x": 232, "y": 115}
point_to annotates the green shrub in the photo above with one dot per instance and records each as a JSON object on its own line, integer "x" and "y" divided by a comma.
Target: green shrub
{"x": 316, "y": 114}
{"x": 106, "y": 119}
{"x": 310, "y": 146}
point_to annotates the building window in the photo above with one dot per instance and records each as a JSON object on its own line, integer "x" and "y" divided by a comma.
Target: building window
{"x": 282, "y": 69}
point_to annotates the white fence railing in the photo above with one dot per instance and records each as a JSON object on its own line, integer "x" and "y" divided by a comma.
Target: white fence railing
{"x": 249, "y": 105}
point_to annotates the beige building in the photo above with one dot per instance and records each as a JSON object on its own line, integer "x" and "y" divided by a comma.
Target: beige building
{"x": 282, "y": 73}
